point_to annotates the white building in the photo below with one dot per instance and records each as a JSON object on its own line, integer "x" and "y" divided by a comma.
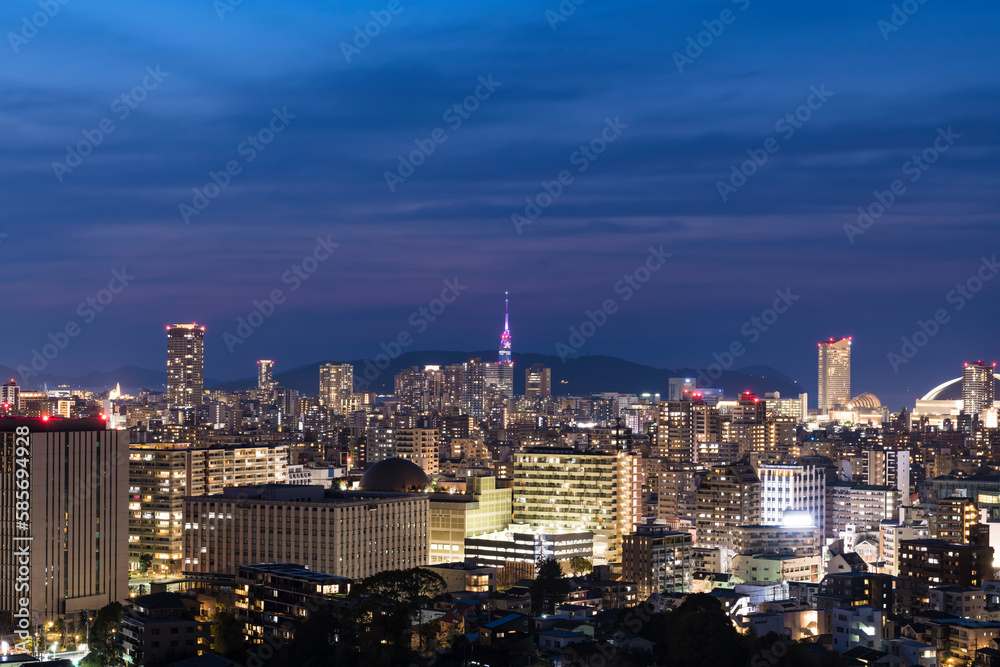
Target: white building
{"x": 787, "y": 488}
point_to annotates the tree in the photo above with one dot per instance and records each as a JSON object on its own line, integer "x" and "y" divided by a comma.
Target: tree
{"x": 145, "y": 562}
{"x": 227, "y": 635}
{"x": 550, "y": 587}
{"x": 105, "y": 642}
{"x": 579, "y": 564}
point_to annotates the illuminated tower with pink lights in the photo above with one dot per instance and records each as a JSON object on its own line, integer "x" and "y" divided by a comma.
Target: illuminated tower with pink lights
{"x": 505, "y": 366}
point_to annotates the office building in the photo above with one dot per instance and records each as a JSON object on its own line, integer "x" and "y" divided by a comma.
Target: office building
{"x": 778, "y": 540}
{"x": 10, "y": 397}
{"x": 265, "y": 375}
{"x": 834, "y": 374}
{"x": 185, "y": 366}
{"x": 727, "y": 498}
{"x": 519, "y": 544}
{"x": 570, "y": 490}
{"x": 162, "y": 474}
{"x": 67, "y": 516}
{"x": 792, "y": 489}
{"x": 679, "y": 389}
{"x": 977, "y": 388}
{"x": 657, "y": 560}
{"x": 538, "y": 381}
{"x": 454, "y": 517}
{"x": 336, "y": 387}
{"x": 347, "y": 534}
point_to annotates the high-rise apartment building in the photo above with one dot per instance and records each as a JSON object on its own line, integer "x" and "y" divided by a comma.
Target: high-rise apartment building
{"x": 162, "y": 474}
{"x": 538, "y": 381}
{"x": 185, "y": 366}
{"x": 977, "y": 387}
{"x": 834, "y": 374}
{"x": 336, "y": 386}
{"x": 421, "y": 446}
{"x": 792, "y": 489}
{"x": 889, "y": 467}
{"x": 675, "y": 432}
{"x": 473, "y": 389}
{"x": 64, "y": 517}
{"x": 927, "y": 563}
{"x": 728, "y": 497}
{"x": 657, "y": 560}
{"x": 265, "y": 375}
{"x": 570, "y": 490}
{"x": 863, "y": 505}
{"x": 957, "y": 519}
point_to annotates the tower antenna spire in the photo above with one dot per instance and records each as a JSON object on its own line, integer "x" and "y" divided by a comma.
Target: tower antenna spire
{"x": 505, "y": 337}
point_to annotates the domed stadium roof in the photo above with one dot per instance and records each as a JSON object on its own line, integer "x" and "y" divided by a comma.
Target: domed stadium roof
{"x": 952, "y": 390}
{"x": 866, "y": 401}
{"x": 394, "y": 475}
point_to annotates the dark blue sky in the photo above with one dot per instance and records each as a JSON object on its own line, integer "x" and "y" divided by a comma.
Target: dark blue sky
{"x": 655, "y": 184}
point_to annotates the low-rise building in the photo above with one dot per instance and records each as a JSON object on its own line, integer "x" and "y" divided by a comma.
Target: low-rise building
{"x": 465, "y": 576}
{"x": 858, "y": 627}
{"x": 271, "y": 598}
{"x": 771, "y": 568}
{"x": 161, "y": 628}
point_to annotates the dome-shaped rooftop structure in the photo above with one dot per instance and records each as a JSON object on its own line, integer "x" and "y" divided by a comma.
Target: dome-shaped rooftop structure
{"x": 394, "y": 475}
{"x": 866, "y": 401}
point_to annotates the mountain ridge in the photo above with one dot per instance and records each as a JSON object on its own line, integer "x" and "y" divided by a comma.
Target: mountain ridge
{"x": 579, "y": 376}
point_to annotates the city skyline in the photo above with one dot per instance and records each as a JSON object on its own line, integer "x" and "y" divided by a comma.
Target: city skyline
{"x": 654, "y": 185}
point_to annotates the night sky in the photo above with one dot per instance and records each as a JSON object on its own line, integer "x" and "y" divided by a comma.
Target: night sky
{"x": 674, "y": 118}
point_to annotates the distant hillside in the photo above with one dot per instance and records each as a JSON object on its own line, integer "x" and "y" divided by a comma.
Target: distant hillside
{"x": 131, "y": 377}
{"x": 576, "y": 377}
{"x": 582, "y": 376}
